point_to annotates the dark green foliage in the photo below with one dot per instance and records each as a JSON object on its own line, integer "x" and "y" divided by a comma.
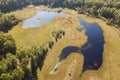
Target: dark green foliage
{"x": 11, "y": 62}
{"x": 5, "y": 76}
{"x": 96, "y": 8}
{"x": 20, "y": 64}
{"x": 23, "y": 65}
{"x": 7, "y": 45}
{"x": 7, "y": 22}
{"x": 107, "y": 12}
{"x": 17, "y": 74}
{"x": 92, "y": 7}
{"x": 58, "y": 34}
{"x": 93, "y": 10}
{"x": 30, "y": 60}
{"x": 7, "y": 66}
{"x": 40, "y": 54}
{"x": 51, "y": 43}
{"x": 9, "y": 5}
{"x": 23, "y": 53}
{"x": 112, "y": 14}
{"x": 108, "y": 9}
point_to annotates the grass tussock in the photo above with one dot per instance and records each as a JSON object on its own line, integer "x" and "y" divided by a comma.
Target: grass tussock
{"x": 32, "y": 36}
{"x": 110, "y": 67}
{"x": 42, "y": 35}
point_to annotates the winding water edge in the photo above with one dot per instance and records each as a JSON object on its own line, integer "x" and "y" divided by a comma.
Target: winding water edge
{"x": 92, "y": 49}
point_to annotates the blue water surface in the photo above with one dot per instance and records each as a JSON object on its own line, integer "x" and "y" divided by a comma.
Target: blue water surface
{"x": 46, "y": 17}
{"x": 92, "y": 49}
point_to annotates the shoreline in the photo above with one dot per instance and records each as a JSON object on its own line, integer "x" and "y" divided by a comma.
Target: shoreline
{"x": 111, "y": 47}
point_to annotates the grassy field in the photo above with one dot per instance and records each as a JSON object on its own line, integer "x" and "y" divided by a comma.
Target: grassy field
{"x": 42, "y": 35}
{"x": 32, "y": 37}
{"x": 110, "y": 67}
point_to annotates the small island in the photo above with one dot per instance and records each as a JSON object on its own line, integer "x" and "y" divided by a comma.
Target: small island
{"x": 39, "y": 19}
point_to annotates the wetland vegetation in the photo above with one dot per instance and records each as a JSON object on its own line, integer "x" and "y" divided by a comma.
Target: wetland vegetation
{"x": 62, "y": 40}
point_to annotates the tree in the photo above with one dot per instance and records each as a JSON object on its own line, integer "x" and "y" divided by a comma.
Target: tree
{"x": 2, "y": 69}
{"x": 18, "y": 74}
{"x": 5, "y": 76}
{"x": 7, "y": 22}
{"x": 93, "y": 11}
{"x": 11, "y": 62}
{"x": 7, "y": 45}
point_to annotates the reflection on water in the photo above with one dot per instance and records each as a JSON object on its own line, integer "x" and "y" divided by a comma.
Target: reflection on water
{"x": 92, "y": 49}
{"x": 41, "y": 18}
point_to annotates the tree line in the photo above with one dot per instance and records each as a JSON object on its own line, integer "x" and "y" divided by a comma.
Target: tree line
{"x": 23, "y": 63}
{"x": 19, "y": 64}
{"x": 7, "y": 21}
{"x": 108, "y": 9}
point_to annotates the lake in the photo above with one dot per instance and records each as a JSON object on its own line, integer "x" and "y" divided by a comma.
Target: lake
{"x": 41, "y": 18}
{"x": 92, "y": 49}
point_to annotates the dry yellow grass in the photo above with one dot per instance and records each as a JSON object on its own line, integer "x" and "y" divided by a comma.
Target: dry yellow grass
{"x": 110, "y": 69}
{"x": 33, "y": 37}
{"x": 72, "y": 38}
{"x": 27, "y": 12}
{"x": 42, "y": 35}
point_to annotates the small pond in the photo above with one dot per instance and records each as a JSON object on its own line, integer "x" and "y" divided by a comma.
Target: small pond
{"x": 41, "y": 18}
{"x": 92, "y": 49}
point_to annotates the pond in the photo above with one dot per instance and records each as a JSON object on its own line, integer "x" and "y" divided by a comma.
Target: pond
{"x": 92, "y": 49}
{"x": 41, "y": 18}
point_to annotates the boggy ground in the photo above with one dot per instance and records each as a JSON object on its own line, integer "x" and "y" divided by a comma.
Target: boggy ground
{"x": 42, "y": 35}
{"x": 32, "y": 36}
{"x": 110, "y": 67}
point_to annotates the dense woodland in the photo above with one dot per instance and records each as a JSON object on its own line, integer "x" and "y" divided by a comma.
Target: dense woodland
{"x": 105, "y": 9}
{"x": 19, "y": 64}
{"x": 7, "y": 22}
{"x": 22, "y": 64}
{"x": 108, "y": 9}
